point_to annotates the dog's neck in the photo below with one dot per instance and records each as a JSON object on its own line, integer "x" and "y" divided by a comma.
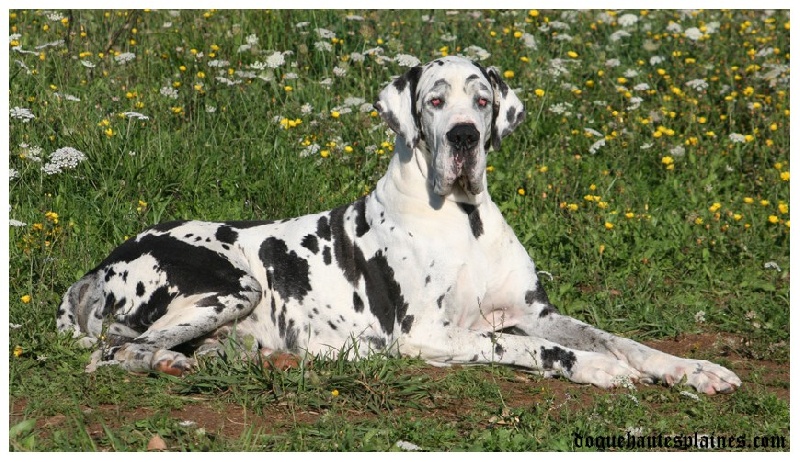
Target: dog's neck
{"x": 409, "y": 174}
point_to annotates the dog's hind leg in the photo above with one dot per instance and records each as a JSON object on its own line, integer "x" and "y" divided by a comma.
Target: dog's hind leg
{"x": 187, "y": 318}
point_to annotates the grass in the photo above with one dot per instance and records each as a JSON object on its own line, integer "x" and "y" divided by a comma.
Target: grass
{"x": 650, "y": 180}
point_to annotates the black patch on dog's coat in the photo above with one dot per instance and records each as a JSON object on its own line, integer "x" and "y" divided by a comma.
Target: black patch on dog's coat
{"x": 226, "y": 234}
{"x": 475, "y": 222}
{"x": 310, "y": 242}
{"x": 384, "y": 296}
{"x": 290, "y": 272}
{"x": 551, "y": 355}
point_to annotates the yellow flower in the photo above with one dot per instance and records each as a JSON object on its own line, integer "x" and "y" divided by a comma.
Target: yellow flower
{"x": 667, "y": 160}
{"x": 25, "y": 299}
{"x": 714, "y": 207}
{"x": 508, "y": 74}
{"x": 609, "y": 225}
{"x": 748, "y": 200}
{"x": 572, "y": 54}
{"x": 324, "y": 153}
{"x": 785, "y": 176}
{"x": 535, "y": 13}
{"x": 543, "y": 169}
{"x": 17, "y": 351}
{"x": 288, "y": 88}
{"x": 52, "y": 216}
{"x": 335, "y": 114}
{"x": 334, "y": 393}
{"x": 521, "y": 191}
{"x": 783, "y": 208}
{"x": 764, "y": 202}
{"x": 773, "y": 219}
{"x": 539, "y": 92}
{"x": 572, "y": 207}
{"x": 348, "y": 149}
{"x": 629, "y": 215}
{"x": 737, "y": 216}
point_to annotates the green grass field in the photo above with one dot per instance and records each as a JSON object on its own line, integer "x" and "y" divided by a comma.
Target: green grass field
{"x": 650, "y": 180}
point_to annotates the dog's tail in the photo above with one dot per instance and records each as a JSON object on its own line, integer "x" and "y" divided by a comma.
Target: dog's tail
{"x": 81, "y": 309}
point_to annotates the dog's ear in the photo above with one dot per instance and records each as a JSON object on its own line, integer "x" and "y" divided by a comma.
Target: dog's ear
{"x": 397, "y": 106}
{"x": 508, "y": 109}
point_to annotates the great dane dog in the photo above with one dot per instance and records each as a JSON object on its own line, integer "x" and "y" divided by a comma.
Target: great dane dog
{"x": 423, "y": 266}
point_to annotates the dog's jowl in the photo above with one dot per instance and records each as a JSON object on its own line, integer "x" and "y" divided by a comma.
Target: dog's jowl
{"x": 425, "y": 266}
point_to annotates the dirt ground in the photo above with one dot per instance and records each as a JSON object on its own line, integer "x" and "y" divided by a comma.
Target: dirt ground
{"x": 229, "y": 420}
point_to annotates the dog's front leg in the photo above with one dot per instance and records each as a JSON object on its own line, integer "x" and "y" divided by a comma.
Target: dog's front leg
{"x": 456, "y": 345}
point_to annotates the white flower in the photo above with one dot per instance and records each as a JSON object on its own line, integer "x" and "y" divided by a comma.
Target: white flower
{"x": 690, "y": 395}
{"x": 16, "y": 224}
{"x": 366, "y": 107}
{"x": 678, "y": 151}
{"x": 211, "y": 109}
{"x": 560, "y": 108}
{"x": 656, "y": 60}
{"x": 67, "y": 97}
{"x": 218, "y": 63}
{"x": 309, "y": 150}
{"x": 448, "y": 38}
{"x": 627, "y": 20}
{"x": 635, "y": 103}
{"x": 275, "y": 59}
{"x": 339, "y": 71}
{"x": 135, "y": 115}
{"x": 290, "y": 76}
{"x": 323, "y": 46}
{"x": 772, "y": 265}
{"x": 477, "y": 52}
{"x": 86, "y": 63}
{"x": 613, "y": 62}
{"x": 674, "y": 27}
{"x": 529, "y": 41}
{"x": 619, "y": 35}
{"x": 21, "y": 113}
{"x": 326, "y": 82}
{"x": 325, "y": 33}
{"x": 697, "y": 84}
{"x": 693, "y": 33}
{"x": 356, "y": 57}
{"x": 62, "y": 159}
{"x": 631, "y": 73}
{"x": 123, "y": 58}
{"x": 353, "y": 101}
{"x": 597, "y": 145}
{"x": 251, "y": 39}
{"x": 301, "y": 25}
{"x": 406, "y": 446}
{"x": 354, "y": 17}
{"x": 228, "y": 81}
{"x": 641, "y": 87}
{"x": 13, "y": 174}
{"x": 406, "y": 60}
{"x": 306, "y": 109}
{"x": 592, "y": 131}
{"x": 700, "y": 316}
{"x": 646, "y": 146}
{"x": 169, "y": 92}
{"x": 736, "y": 138}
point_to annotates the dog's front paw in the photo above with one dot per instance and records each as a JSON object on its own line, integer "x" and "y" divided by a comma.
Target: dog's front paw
{"x": 705, "y": 376}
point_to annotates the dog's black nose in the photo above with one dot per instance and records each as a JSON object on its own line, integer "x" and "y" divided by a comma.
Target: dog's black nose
{"x": 463, "y": 136}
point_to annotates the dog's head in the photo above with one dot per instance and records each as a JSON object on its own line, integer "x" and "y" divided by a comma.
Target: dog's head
{"x": 453, "y": 110}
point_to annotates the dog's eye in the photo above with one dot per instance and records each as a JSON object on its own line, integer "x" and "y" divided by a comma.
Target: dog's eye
{"x": 436, "y": 102}
{"x": 482, "y": 102}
